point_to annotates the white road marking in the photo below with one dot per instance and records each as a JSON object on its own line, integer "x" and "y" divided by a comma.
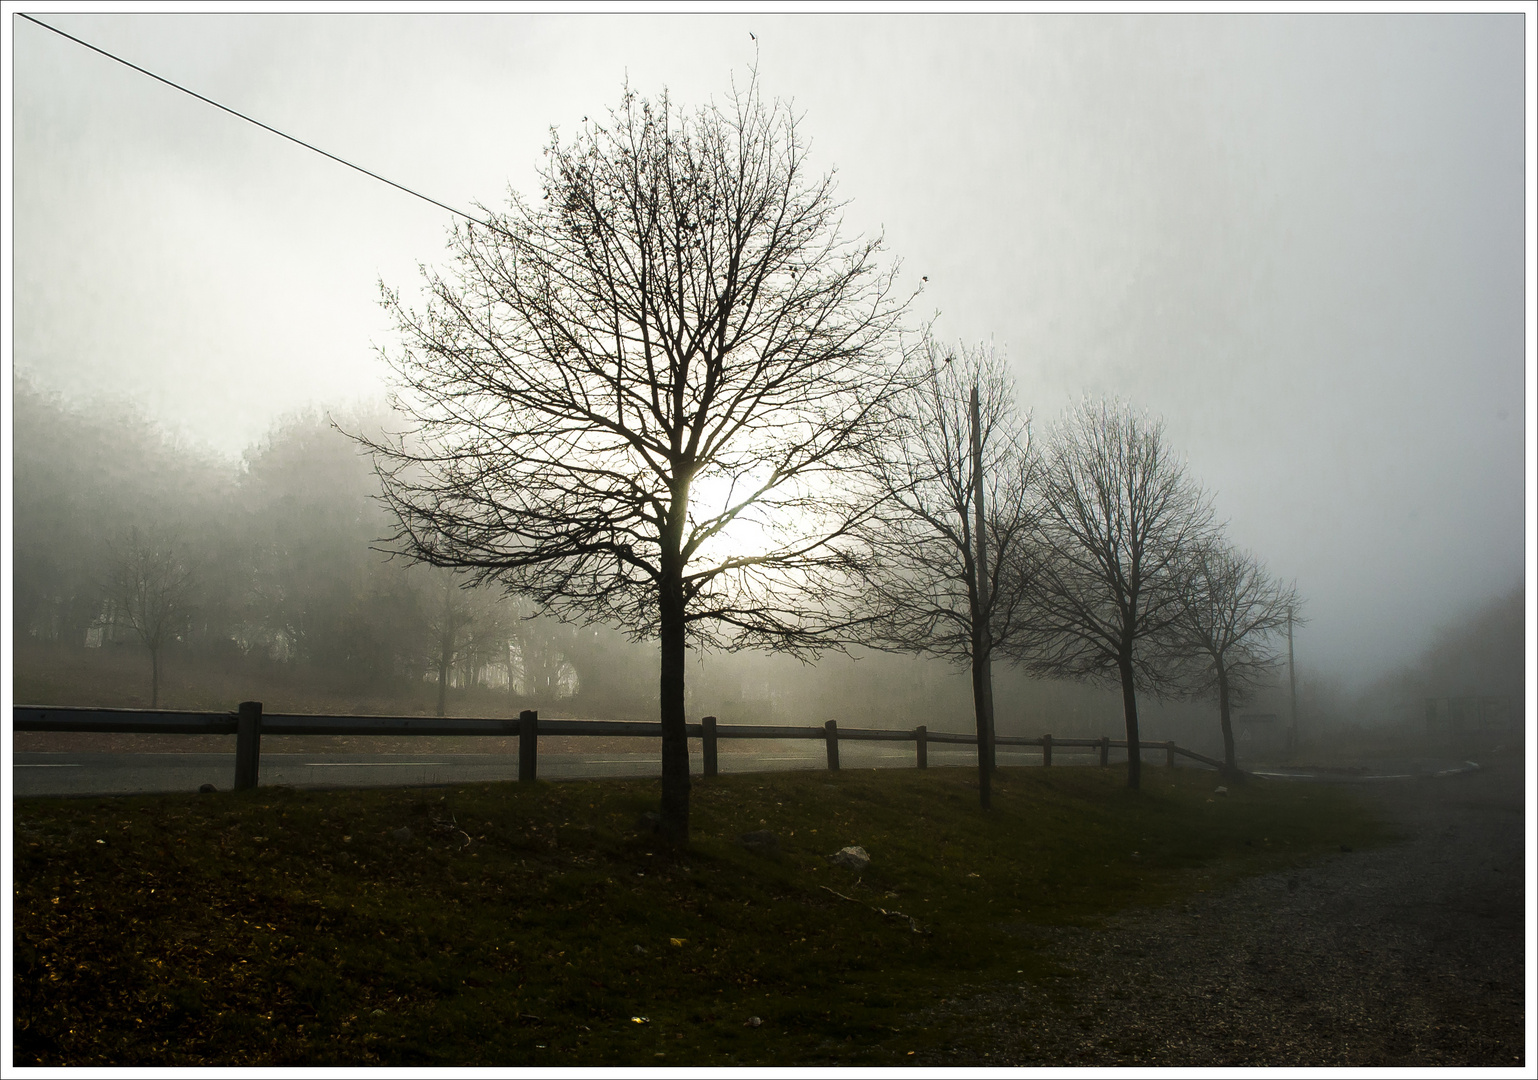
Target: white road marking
{"x": 23, "y": 766}
{"x": 366, "y": 764}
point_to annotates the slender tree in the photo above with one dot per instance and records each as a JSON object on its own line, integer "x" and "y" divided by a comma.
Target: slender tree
{"x": 1119, "y": 515}
{"x": 539, "y": 650}
{"x": 936, "y": 588}
{"x": 451, "y": 620}
{"x": 1230, "y": 611}
{"x": 638, "y": 402}
{"x": 149, "y": 586}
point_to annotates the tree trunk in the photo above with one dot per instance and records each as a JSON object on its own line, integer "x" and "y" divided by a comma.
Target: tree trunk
{"x": 445, "y": 649}
{"x": 1129, "y": 708}
{"x": 1230, "y": 759}
{"x": 982, "y": 704}
{"x": 675, "y": 737}
{"x": 154, "y": 678}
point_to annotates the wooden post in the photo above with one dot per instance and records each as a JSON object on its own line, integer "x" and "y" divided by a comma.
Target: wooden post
{"x": 1169, "y": 748}
{"x": 921, "y": 737}
{"x": 708, "y": 743}
{"x": 1046, "y": 750}
{"x": 1105, "y": 751}
{"x": 830, "y": 730}
{"x": 248, "y": 745}
{"x": 528, "y": 746}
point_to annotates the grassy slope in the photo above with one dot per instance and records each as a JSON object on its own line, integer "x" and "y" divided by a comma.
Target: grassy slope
{"x": 284, "y": 927}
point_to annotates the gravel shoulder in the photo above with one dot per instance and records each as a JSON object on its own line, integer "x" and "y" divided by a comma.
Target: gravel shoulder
{"x": 1408, "y": 955}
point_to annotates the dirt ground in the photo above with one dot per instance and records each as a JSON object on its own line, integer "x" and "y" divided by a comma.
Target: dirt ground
{"x": 1407, "y": 955}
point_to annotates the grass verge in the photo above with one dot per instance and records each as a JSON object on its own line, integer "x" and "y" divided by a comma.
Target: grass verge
{"x": 506, "y": 925}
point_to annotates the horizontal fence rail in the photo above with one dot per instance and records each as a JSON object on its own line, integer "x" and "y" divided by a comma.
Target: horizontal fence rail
{"x": 248, "y": 724}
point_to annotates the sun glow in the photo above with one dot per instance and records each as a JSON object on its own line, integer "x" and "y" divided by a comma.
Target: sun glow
{"x": 755, "y": 530}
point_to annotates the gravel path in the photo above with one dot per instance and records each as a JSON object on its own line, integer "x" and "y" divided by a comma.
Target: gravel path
{"x": 1408, "y": 955}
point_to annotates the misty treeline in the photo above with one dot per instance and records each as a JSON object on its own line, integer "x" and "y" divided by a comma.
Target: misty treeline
{"x": 124, "y": 535}
{"x": 1482, "y": 652}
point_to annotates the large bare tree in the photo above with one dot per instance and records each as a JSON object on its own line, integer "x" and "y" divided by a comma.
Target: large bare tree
{"x": 637, "y": 401}
{"x": 1230, "y": 611}
{"x": 937, "y": 590}
{"x": 1118, "y": 516}
{"x": 149, "y": 586}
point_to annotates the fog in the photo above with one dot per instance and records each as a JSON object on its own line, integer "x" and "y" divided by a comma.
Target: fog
{"x": 1297, "y": 239}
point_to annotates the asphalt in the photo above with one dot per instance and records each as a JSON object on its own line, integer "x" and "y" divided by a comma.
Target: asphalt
{"x": 64, "y": 774}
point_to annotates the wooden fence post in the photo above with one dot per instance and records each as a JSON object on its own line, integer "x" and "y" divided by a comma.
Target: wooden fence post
{"x": 528, "y": 746}
{"x": 1046, "y": 750}
{"x": 708, "y": 742}
{"x": 921, "y": 737}
{"x": 1169, "y": 748}
{"x": 1105, "y": 751}
{"x": 830, "y": 732}
{"x": 248, "y": 745}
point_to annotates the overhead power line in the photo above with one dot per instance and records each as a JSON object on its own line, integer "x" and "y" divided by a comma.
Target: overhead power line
{"x": 258, "y": 123}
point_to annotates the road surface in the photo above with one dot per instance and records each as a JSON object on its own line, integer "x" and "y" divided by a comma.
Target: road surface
{"x": 37, "y": 774}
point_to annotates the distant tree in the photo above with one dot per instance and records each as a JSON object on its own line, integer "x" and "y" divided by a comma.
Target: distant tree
{"x": 614, "y": 673}
{"x": 82, "y": 475}
{"x": 149, "y": 586}
{"x": 635, "y": 404}
{"x": 1230, "y": 610}
{"x": 1119, "y": 516}
{"x": 541, "y": 652}
{"x": 307, "y": 500}
{"x": 934, "y": 589}
{"x": 384, "y": 636}
{"x": 491, "y": 629}
{"x": 1480, "y": 653}
{"x": 449, "y": 623}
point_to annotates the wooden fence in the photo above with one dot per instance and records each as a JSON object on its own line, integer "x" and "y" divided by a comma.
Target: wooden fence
{"x": 248, "y": 724}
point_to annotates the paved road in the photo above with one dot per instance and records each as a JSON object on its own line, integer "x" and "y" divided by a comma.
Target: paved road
{"x": 122, "y": 774}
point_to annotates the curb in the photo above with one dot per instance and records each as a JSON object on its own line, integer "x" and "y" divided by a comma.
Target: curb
{"x": 1339, "y": 778}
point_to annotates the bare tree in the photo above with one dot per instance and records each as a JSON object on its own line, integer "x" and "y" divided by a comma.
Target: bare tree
{"x": 1230, "y": 609}
{"x": 543, "y": 668}
{"x": 936, "y": 588}
{"x": 450, "y": 620}
{"x": 636, "y": 402}
{"x": 149, "y": 586}
{"x": 1119, "y": 514}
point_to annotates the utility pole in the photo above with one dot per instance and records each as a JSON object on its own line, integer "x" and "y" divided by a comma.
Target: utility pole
{"x": 1292, "y": 683}
{"x": 982, "y": 630}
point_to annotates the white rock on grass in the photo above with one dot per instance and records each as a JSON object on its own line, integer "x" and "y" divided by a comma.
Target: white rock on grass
{"x": 851, "y": 858}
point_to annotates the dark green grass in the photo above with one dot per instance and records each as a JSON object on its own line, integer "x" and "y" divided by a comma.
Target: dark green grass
{"x": 283, "y": 927}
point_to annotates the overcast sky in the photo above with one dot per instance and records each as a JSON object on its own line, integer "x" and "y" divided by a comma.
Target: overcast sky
{"x": 1298, "y": 239}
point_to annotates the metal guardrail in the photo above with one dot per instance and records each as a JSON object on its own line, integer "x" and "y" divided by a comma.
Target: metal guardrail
{"x": 248, "y": 724}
